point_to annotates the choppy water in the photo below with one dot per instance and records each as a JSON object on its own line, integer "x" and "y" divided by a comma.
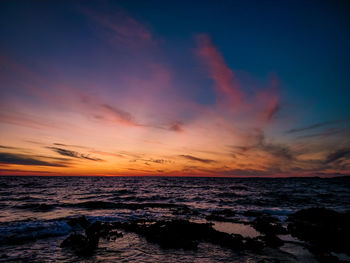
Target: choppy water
{"x": 34, "y": 211}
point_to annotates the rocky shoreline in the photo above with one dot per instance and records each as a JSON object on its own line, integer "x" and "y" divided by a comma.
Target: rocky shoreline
{"x": 324, "y": 232}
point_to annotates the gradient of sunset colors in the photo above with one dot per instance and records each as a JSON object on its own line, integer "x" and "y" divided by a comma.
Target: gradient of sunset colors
{"x": 175, "y": 88}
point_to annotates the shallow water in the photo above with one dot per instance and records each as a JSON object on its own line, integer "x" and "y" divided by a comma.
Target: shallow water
{"x": 34, "y": 211}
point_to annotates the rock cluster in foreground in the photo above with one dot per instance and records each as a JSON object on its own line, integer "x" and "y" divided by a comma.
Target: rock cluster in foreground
{"x": 324, "y": 231}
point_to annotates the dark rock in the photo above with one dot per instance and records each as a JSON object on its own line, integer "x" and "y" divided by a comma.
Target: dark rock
{"x": 94, "y": 232}
{"x": 326, "y": 257}
{"x": 113, "y": 235}
{"x": 272, "y": 241}
{"x": 217, "y": 218}
{"x": 182, "y": 234}
{"x": 104, "y": 230}
{"x": 224, "y": 215}
{"x": 269, "y": 225}
{"x": 82, "y": 221}
{"x": 226, "y": 212}
{"x": 253, "y": 244}
{"x": 233, "y": 241}
{"x": 173, "y": 234}
{"x": 251, "y": 213}
{"x": 79, "y": 243}
{"x": 86, "y": 244}
{"x": 324, "y": 229}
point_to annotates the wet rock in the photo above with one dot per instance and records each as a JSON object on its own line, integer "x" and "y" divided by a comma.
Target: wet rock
{"x": 182, "y": 234}
{"x": 251, "y": 213}
{"x": 218, "y": 218}
{"x": 326, "y": 257}
{"x": 82, "y": 221}
{"x": 325, "y": 230}
{"x": 168, "y": 234}
{"x": 224, "y": 215}
{"x": 86, "y": 244}
{"x": 112, "y": 235}
{"x": 272, "y": 241}
{"x": 233, "y": 241}
{"x": 254, "y": 244}
{"x": 269, "y": 225}
{"x": 79, "y": 243}
{"x": 102, "y": 230}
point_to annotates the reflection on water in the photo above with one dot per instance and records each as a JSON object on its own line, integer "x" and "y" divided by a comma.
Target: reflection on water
{"x": 236, "y": 228}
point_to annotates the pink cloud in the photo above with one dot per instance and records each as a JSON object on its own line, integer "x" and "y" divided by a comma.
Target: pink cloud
{"x": 226, "y": 83}
{"x": 260, "y": 106}
{"x": 119, "y": 115}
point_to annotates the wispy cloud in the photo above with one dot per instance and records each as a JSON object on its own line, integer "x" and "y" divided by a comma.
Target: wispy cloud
{"x": 325, "y": 133}
{"x": 73, "y": 154}
{"x": 8, "y": 147}
{"x": 313, "y": 126}
{"x": 21, "y": 159}
{"x": 118, "y": 155}
{"x": 119, "y": 115}
{"x": 337, "y": 155}
{"x": 197, "y": 159}
{"x": 69, "y": 145}
{"x": 119, "y": 27}
{"x": 176, "y": 126}
{"x": 258, "y": 142}
{"x": 261, "y": 105}
{"x": 277, "y": 150}
{"x": 26, "y": 172}
{"x": 224, "y": 77}
{"x": 26, "y": 120}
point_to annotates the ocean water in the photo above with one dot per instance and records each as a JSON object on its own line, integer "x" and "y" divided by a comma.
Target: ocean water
{"x": 34, "y": 213}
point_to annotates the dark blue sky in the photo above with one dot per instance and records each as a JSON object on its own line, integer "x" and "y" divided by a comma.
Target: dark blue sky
{"x": 305, "y": 43}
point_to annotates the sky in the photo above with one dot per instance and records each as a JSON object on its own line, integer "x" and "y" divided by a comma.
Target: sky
{"x": 175, "y": 88}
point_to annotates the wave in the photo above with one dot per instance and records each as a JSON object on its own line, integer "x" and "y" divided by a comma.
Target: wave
{"x": 19, "y": 232}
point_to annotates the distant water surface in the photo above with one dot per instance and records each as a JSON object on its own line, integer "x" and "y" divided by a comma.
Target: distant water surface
{"x": 34, "y": 211}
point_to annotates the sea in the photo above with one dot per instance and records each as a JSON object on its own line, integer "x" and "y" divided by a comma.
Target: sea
{"x": 34, "y": 211}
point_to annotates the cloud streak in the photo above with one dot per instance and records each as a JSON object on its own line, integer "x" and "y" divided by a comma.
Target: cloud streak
{"x": 341, "y": 154}
{"x": 26, "y": 120}
{"x": 313, "y": 126}
{"x": 260, "y": 105}
{"x": 74, "y": 154}
{"x": 197, "y": 159}
{"x": 120, "y": 28}
{"x": 21, "y": 159}
{"x": 225, "y": 79}
{"x": 119, "y": 115}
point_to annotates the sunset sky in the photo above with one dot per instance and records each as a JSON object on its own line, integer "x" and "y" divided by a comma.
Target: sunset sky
{"x": 175, "y": 88}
